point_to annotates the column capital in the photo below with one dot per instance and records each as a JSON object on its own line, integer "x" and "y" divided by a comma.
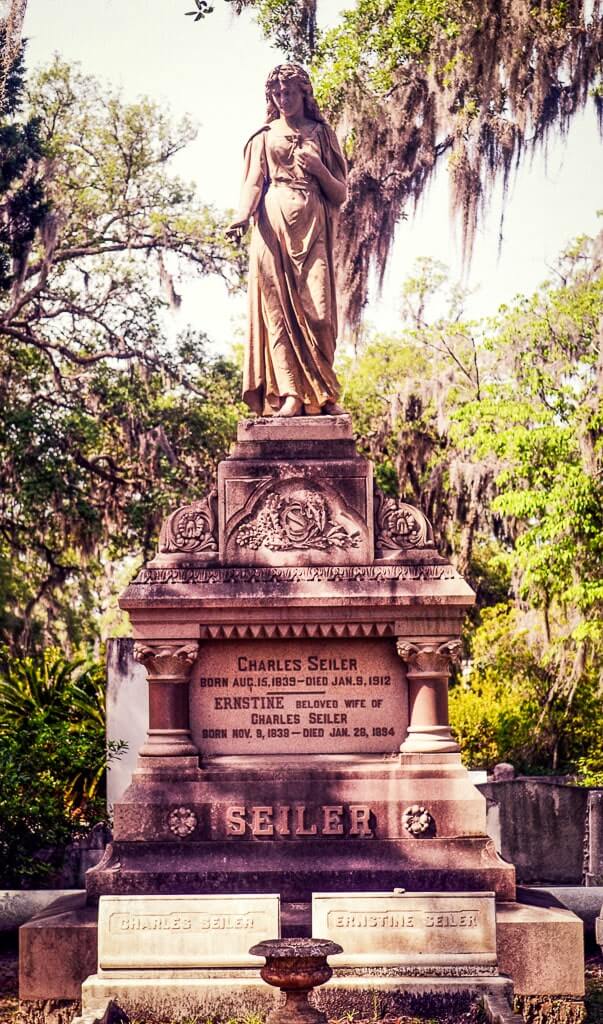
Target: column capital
{"x": 168, "y": 661}
{"x": 430, "y": 656}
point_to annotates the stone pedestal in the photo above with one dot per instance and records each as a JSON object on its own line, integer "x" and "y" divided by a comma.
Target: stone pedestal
{"x": 298, "y": 630}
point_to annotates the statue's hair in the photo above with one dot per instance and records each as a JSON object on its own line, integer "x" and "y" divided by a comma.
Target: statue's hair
{"x": 301, "y": 76}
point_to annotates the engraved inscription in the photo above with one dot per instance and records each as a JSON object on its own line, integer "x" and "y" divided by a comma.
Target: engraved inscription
{"x": 403, "y": 919}
{"x": 408, "y": 928}
{"x": 177, "y": 922}
{"x": 389, "y": 919}
{"x": 283, "y": 696}
{"x": 355, "y": 820}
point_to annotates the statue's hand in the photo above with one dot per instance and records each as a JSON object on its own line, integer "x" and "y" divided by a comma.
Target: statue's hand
{"x": 237, "y": 229}
{"x": 308, "y": 160}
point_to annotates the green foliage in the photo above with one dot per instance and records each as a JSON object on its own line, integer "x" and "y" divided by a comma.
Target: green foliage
{"x": 107, "y": 423}
{"x": 23, "y": 204}
{"x": 53, "y": 759}
{"x": 374, "y": 40}
{"x": 495, "y": 430}
{"x": 507, "y": 708}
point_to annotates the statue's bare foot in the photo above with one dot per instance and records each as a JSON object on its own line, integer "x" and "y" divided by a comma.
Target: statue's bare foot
{"x": 292, "y": 406}
{"x": 332, "y": 409}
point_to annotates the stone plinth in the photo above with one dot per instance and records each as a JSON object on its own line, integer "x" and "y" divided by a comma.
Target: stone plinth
{"x": 541, "y": 949}
{"x": 298, "y": 629}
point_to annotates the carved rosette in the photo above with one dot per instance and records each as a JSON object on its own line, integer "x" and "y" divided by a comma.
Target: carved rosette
{"x": 182, "y": 821}
{"x": 191, "y": 529}
{"x": 430, "y": 658}
{"x": 399, "y": 526}
{"x": 167, "y": 662}
{"x": 418, "y": 821}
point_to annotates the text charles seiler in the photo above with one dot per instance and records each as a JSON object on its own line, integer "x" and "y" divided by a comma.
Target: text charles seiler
{"x": 184, "y": 922}
{"x": 311, "y": 696}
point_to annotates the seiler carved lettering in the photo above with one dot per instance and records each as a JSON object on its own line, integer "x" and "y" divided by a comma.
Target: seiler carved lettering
{"x": 330, "y": 664}
{"x": 264, "y": 820}
{"x": 452, "y": 919}
{"x": 316, "y": 718}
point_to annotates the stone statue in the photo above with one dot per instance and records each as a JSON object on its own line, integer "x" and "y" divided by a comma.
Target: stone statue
{"x": 294, "y": 180}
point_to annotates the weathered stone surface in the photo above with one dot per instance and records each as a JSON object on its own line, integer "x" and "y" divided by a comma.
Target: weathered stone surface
{"x": 19, "y": 905}
{"x": 178, "y": 932}
{"x": 298, "y": 696}
{"x": 57, "y": 951}
{"x": 540, "y": 827}
{"x": 542, "y": 950}
{"x": 308, "y": 428}
{"x": 163, "y": 996}
{"x": 583, "y": 900}
{"x": 127, "y": 702}
{"x": 319, "y": 512}
{"x": 372, "y": 997}
{"x": 594, "y": 865}
{"x": 424, "y": 929}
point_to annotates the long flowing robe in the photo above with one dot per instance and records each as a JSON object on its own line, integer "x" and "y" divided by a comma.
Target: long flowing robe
{"x": 292, "y": 302}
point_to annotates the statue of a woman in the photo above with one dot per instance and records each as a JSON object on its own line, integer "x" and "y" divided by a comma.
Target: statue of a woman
{"x": 294, "y": 180}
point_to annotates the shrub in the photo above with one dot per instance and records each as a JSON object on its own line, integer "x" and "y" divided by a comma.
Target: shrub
{"x": 53, "y": 757}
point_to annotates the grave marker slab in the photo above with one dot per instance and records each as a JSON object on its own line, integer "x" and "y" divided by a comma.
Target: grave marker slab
{"x": 182, "y": 932}
{"x": 425, "y": 929}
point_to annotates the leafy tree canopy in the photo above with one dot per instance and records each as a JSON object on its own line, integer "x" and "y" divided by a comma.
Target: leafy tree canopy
{"x": 410, "y": 82}
{"x": 107, "y": 423}
{"x": 495, "y": 429}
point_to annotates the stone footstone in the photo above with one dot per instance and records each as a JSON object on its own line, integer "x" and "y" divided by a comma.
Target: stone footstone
{"x": 296, "y": 967}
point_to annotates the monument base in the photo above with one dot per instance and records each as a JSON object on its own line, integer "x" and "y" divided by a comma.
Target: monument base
{"x": 367, "y": 832}
{"x": 540, "y": 950}
{"x": 221, "y": 998}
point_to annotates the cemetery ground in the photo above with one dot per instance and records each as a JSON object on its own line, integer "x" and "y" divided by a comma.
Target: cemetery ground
{"x": 593, "y": 1002}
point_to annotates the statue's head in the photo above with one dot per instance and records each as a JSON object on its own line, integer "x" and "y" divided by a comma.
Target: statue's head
{"x": 291, "y": 73}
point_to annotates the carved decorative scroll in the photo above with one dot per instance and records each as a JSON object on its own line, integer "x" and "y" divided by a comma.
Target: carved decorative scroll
{"x": 399, "y": 526}
{"x": 432, "y": 658}
{"x": 170, "y": 662}
{"x": 303, "y": 521}
{"x": 191, "y": 528}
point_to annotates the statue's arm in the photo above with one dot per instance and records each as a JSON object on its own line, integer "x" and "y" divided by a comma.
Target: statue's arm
{"x": 254, "y": 180}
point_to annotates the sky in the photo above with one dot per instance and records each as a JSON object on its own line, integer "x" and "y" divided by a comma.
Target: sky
{"x": 215, "y": 71}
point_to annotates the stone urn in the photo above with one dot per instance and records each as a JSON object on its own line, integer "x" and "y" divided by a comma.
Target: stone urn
{"x": 296, "y": 966}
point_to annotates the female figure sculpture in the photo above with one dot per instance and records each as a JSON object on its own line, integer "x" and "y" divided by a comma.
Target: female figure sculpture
{"x": 294, "y": 180}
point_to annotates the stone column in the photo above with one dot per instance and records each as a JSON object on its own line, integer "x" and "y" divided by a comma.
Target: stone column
{"x": 428, "y": 666}
{"x": 169, "y": 665}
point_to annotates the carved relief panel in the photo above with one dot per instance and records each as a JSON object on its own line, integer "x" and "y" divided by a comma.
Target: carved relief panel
{"x": 306, "y": 515}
